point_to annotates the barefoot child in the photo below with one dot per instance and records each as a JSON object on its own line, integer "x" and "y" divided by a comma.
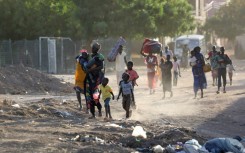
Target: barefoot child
{"x": 133, "y": 76}
{"x": 176, "y": 69}
{"x": 126, "y": 89}
{"x": 230, "y": 72}
{"x": 106, "y": 92}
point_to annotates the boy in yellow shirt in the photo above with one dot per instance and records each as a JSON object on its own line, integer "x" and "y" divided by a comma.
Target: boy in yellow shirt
{"x": 106, "y": 92}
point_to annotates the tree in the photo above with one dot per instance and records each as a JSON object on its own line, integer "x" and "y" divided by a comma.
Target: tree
{"x": 91, "y": 19}
{"x": 134, "y": 18}
{"x": 30, "y": 19}
{"x": 229, "y": 21}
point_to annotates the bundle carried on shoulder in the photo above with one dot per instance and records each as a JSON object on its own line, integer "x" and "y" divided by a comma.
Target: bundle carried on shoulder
{"x": 111, "y": 57}
{"x": 150, "y": 45}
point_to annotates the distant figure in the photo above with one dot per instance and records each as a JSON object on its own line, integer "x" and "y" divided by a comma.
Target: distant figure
{"x": 121, "y": 63}
{"x": 176, "y": 70}
{"x": 152, "y": 64}
{"x": 166, "y": 52}
{"x": 214, "y": 64}
{"x": 166, "y": 68}
{"x": 126, "y": 89}
{"x": 200, "y": 81}
{"x": 230, "y": 71}
{"x": 184, "y": 58}
{"x": 133, "y": 76}
{"x": 106, "y": 92}
{"x": 223, "y": 60}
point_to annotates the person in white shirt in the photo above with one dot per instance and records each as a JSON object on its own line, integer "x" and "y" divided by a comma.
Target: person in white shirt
{"x": 121, "y": 63}
{"x": 176, "y": 69}
{"x": 230, "y": 69}
{"x": 167, "y": 52}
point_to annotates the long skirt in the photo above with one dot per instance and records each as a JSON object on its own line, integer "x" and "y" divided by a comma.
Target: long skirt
{"x": 200, "y": 81}
{"x": 151, "y": 80}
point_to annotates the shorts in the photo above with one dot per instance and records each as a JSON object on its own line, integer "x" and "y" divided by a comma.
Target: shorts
{"x": 107, "y": 101}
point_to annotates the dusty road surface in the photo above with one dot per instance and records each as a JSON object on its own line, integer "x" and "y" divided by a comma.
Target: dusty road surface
{"x": 51, "y": 122}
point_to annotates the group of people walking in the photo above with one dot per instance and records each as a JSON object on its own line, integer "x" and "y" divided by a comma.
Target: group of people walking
{"x": 219, "y": 62}
{"x": 91, "y": 81}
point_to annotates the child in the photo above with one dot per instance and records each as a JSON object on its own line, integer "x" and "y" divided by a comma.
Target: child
{"x": 133, "y": 76}
{"x": 166, "y": 68}
{"x": 176, "y": 69}
{"x": 193, "y": 60}
{"x": 126, "y": 89}
{"x": 106, "y": 92}
{"x": 230, "y": 71}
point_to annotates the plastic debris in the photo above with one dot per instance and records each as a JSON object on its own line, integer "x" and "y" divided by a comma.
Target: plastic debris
{"x": 63, "y": 139}
{"x": 98, "y": 140}
{"x": 62, "y": 113}
{"x": 158, "y": 149}
{"x": 139, "y": 132}
{"x": 77, "y": 138}
{"x": 170, "y": 149}
{"x": 194, "y": 143}
{"x": 114, "y": 125}
{"x": 16, "y": 105}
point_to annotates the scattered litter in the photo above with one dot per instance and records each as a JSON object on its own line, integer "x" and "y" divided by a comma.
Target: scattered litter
{"x": 89, "y": 138}
{"x": 170, "y": 149}
{"x": 194, "y": 143}
{"x": 39, "y": 109}
{"x": 139, "y": 132}
{"x": 77, "y": 138}
{"x": 158, "y": 149}
{"x": 63, "y": 139}
{"x": 1, "y": 111}
{"x": 114, "y": 125}
{"x": 16, "y": 105}
{"x": 98, "y": 140}
{"x": 63, "y": 102}
{"x": 62, "y": 113}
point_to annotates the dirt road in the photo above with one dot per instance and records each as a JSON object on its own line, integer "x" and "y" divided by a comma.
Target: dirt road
{"x": 215, "y": 115}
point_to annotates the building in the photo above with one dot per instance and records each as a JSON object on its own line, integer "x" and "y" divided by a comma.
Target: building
{"x": 205, "y": 9}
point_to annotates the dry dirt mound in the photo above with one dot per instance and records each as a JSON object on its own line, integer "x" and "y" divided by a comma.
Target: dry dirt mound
{"x": 25, "y": 80}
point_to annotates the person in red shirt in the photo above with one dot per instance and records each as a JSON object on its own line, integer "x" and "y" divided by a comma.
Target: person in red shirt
{"x": 152, "y": 64}
{"x": 133, "y": 76}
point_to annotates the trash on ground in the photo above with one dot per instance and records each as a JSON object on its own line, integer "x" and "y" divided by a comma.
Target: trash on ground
{"x": 62, "y": 113}
{"x": 114, "y": 125}
{"x": 139, "y": 132}
{"x": 77, "y": 138}
{"x": 16, "y": 105}
{"x": 158, "y": 149}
